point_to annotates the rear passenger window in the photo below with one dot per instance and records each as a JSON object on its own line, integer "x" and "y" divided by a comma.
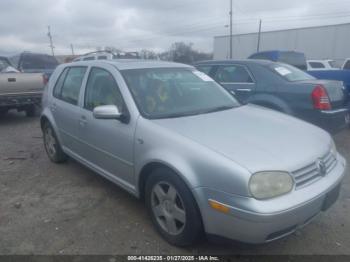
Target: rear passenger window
{"x": 72, "y": 84}
{"x": 102, "y": 57}
{"x": 204, "y": 69}
{"x": 233, "y": 74}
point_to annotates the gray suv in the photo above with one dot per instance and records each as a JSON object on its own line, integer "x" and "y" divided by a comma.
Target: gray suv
{"x": 203, "y": 163}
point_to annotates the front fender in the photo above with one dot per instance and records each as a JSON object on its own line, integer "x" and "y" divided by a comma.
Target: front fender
{"x": 197, "y": 165}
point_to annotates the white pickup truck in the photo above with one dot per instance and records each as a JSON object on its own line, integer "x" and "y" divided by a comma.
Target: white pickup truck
{"x": 21, "y": 91}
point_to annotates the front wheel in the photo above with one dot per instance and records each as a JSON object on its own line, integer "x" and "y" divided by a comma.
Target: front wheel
{"x": 52, "y": 145}
{"x": 172, "y": 207}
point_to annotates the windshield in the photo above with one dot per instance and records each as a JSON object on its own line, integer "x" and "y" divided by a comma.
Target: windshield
{"x": 291, "y": 73}
{"x": 176, "y": 92}
{"x": 3, "y": 64}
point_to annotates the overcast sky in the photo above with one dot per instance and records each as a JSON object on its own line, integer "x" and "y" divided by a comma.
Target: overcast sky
{"x": 150, "y": 24}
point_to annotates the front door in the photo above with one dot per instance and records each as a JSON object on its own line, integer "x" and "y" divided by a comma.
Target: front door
{"x": 107, "y": 144}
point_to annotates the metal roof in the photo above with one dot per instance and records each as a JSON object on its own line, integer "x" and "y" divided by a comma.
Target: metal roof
{"x": 124, "y": 64}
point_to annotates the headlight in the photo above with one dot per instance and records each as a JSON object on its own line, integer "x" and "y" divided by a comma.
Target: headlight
{"x": 269, "y": 184}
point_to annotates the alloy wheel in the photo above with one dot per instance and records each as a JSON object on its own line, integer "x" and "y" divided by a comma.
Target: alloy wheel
{"x": 168, "y": 208}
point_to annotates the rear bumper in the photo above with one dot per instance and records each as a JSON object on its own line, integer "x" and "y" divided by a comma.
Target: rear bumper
{"x": 253, "y": 221}
{"x": 20, "y": 100}
{"x": 333, "y": 120}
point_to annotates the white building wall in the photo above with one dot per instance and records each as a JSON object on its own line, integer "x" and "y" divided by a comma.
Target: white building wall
{"x": 326, "y": 42}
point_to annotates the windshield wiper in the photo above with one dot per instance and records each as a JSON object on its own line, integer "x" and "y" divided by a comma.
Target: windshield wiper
{"x": 217, "y": 109}
{"x": 200, "y": 112}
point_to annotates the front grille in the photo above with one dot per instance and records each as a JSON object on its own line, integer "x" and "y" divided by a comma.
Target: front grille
{"x": 310, "y": 173}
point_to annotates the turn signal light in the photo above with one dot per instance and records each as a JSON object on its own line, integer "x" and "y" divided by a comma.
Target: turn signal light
{"x": 219, "y": 207}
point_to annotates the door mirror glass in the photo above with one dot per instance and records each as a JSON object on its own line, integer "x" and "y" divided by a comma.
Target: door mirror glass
{"x": 107, "y": 112}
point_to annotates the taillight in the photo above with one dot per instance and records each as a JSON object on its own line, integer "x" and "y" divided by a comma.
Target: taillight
{"x": 320, "y": 98}
{"x": 45, "y": 79}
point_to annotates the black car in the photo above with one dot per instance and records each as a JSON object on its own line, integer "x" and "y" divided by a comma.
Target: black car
{"x": 284, "y": 88}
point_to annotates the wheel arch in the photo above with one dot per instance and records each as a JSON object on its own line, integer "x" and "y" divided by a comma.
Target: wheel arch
{"x": 47, "y": 117}
{"x": 147, "y": 170}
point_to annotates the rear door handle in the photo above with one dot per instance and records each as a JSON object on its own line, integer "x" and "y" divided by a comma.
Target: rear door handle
{"x": 12, "y": 79}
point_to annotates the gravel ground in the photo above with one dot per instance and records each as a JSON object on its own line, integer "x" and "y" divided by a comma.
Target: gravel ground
{"x": 67, "y": 209}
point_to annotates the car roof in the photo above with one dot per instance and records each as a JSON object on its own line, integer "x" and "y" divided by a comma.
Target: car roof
{"x": 230, "y": 62}
{"x": 124, "y": 64}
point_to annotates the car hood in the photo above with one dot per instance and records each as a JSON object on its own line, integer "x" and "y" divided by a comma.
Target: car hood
{"x": 254, "y": 137}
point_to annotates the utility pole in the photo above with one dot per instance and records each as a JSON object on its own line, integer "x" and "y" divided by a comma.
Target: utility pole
{"x": 231, "y": 29}
{"x": 259, "y": 36}
{"x": 51, "y": 42}
{"x": 72, "y": 48}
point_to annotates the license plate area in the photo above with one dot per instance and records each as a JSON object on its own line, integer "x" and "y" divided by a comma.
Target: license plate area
{"x": 331, "y": 198}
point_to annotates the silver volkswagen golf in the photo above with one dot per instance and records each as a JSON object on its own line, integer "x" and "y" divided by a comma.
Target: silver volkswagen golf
{"x": 203, "y": 163}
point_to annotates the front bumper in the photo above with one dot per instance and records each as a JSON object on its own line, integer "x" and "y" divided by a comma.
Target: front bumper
{"x": 254, "y": 221}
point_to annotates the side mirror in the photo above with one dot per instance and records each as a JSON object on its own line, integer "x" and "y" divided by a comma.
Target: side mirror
{"x": 107, "y": 112}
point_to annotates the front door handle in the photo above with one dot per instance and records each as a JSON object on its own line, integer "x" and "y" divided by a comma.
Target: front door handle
{"x": 12, "y": 79}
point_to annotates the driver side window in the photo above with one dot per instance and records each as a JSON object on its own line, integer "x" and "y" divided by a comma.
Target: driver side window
{"x": 102, "y": 89}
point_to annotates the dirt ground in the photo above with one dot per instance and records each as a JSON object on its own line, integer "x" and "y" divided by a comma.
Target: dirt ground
{"x": 67, "y": 209}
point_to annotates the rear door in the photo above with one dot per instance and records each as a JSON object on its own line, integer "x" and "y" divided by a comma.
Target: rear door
{"x": 64, "y": 105}
{"x": 237, "y": 79}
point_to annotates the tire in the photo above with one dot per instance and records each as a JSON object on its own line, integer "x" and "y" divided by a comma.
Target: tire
{"x": 175, "y": 214}
{"x": 30, "y": 111}
{"x": 52, "y": 145}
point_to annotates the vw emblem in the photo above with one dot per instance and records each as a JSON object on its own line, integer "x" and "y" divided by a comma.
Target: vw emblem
{"x": 321, "y": 167}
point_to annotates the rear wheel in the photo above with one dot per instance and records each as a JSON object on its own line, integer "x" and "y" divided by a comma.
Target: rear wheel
{"x": 173, "y": 209}
{"x": 52, "y": 146}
